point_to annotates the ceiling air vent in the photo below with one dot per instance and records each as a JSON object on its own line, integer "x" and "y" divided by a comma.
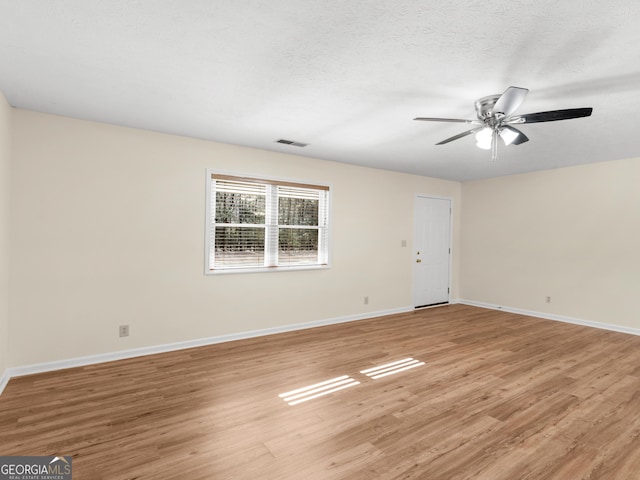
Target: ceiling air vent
{"x": 291, "y": 142}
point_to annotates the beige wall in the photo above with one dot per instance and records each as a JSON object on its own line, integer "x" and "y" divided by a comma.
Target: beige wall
{"x": 5, "y": 158}
{"x": 108, "y": 229}
{"x": 572, "y": 234}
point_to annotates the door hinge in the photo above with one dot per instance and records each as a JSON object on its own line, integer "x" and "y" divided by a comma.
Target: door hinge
{"x": 447, "y": 290}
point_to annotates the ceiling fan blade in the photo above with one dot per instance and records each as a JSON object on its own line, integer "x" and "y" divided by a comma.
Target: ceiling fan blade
{"x": 453, "y": 120}
{"x": 510, "y": 100}
{"x": 514, "y": 137}
{"x": 460, "y": 135}
{"x": 554, "y": 115}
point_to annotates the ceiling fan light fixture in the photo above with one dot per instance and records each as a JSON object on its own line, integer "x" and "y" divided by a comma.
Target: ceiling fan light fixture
{"x": 484, "y": 138}
{"x": 508, "y": 135}
{"x": 496, "y": 116}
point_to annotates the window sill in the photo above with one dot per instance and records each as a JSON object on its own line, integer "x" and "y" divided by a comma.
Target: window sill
{"x": 296, "y": 268}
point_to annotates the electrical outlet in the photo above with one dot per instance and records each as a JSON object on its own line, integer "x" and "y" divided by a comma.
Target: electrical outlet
{"x": 366, "y": 300}
{"x": 548, "y": 299}
{"x": 124, "y": 330}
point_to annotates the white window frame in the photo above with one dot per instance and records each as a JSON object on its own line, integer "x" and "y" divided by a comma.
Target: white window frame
{"x": 210, "y": 225}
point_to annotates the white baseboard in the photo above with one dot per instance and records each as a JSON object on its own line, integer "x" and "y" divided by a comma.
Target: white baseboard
{"x": 169, "y": 347}
{"x": 551, "y": 316}
{"x": 4, "y": 379}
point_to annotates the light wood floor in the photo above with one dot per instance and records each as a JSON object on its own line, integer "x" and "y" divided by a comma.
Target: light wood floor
{"x": 501, "y": 397}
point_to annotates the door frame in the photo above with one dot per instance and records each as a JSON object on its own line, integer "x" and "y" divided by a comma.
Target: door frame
{"x": 413, "y": 279}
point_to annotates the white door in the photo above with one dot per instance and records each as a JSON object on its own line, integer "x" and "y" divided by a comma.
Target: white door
{"x": 432, "y": 250}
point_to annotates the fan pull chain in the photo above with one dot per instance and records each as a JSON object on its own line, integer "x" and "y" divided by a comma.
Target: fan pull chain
{"x": 494, "y": 145}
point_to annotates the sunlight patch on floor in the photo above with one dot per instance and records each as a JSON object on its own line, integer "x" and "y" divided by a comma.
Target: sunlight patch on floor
{"x": 316, "y": 390}
{"x": 391, "y": 368}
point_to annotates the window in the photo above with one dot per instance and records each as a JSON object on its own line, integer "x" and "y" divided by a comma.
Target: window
{"x": 266, "y": 224}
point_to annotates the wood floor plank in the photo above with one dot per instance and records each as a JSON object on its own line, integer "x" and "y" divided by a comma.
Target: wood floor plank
{"x": 500, "y": 396}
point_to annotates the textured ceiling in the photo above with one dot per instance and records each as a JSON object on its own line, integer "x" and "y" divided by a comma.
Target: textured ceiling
{"x": 346, "y": 77}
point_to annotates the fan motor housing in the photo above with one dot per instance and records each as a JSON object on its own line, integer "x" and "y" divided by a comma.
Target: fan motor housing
{"x": 484, "y": 106}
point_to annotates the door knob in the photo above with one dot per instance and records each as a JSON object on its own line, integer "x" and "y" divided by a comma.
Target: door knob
{"x": 418, "y": 260}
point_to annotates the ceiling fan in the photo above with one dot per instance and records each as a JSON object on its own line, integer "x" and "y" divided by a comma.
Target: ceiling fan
{"x": 496, "y": 119}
